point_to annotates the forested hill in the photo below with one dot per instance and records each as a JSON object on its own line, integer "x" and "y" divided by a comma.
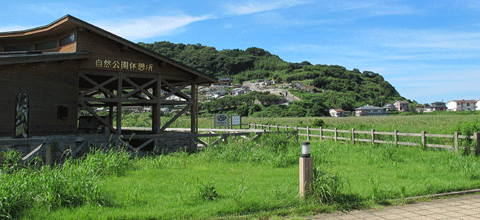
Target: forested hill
{"x": 337, "y": 86}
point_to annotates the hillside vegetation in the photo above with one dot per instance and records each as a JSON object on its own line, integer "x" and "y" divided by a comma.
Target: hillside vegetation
{"x": 335, "y": 86}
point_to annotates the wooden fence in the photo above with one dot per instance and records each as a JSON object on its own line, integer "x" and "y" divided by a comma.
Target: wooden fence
{"x": 374, "y": 136}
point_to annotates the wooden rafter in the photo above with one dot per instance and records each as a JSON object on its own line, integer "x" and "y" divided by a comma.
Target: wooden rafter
{"x": 175, "y": 117}
{"x": 98, "y": 86}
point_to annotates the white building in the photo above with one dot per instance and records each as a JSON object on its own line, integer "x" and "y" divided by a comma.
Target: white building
{"x": 336, "y": 112}
{"x": 461, "y": 105}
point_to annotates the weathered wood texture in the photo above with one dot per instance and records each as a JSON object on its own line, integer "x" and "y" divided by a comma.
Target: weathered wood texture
{"x": 106, "y": 49}
{"x": 48, "y": 86}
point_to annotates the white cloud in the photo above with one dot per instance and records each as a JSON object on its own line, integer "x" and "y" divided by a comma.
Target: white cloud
{"x": 278, "y": 19}
{"x": 372, "y": 7}
{"x": 254, "y": 7}
{"x": 228, "y": 26}
{"x": 134, "y": 29}
{"x": 14, "y": 28}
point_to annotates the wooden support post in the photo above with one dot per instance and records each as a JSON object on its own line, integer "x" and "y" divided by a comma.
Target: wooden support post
{"x": 269, "y": 127}
{"x": 296, "y": 128}
{"x": 193, "y": 116}
{"x": 156, "y": 108}
{"x": 373, "y": 136}
{"x": 321, "y": 133}
{"x": 110, "y": 116}
{"x": 395, "y": 137}
{"x": 424, "y": 140}
{"x": 476, "y": 135}
{"x": 278, "y": 129}
{"x": 255, "y": 126}
{"x": 353, "y": 135}
{"x": 308, "y": 133}
{"x": 119, "y": 103}
{"x": 286, "y": 127}
{"x": 455, "y": 141}
{"x": 48, "y": 155}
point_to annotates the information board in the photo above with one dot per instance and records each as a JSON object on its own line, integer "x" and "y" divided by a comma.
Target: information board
{"x": 221, "y": 120}
{"x": 236, "y": 120}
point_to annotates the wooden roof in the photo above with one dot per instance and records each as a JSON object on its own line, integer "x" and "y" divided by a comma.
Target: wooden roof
{"x": 69, "y": 22}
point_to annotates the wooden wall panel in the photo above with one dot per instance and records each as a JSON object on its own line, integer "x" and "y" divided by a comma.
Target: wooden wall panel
{"x": 104, "y": 49}
{"x": 48, "y": 85}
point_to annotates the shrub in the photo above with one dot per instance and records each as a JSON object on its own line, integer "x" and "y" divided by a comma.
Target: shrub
{"x": 318, "y": 123}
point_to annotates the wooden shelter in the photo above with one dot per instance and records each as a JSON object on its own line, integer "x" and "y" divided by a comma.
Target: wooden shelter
{"x": 51, "y": 73}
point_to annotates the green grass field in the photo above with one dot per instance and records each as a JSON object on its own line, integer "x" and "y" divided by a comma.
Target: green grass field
{"x": 250, "y": 179}
{"x": 242, "y": 179}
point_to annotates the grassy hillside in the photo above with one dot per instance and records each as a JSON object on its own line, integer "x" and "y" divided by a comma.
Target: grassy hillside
{"x": 335, "y": 86}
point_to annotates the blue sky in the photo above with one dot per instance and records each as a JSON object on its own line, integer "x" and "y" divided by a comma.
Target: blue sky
{"x": 428, "y": 50}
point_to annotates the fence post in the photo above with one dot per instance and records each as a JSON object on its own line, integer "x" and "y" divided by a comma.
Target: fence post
{"x": 455, "y": 141}
{"x": 424, "y": 140}
{"x": 296, "y": 128}
{"x": 255, "y": 125}
{"x": 373, "y": 136}
{"x": 286, "y": 127}
{"x": 261, "y": 126}
{"x": 308, "y": 133}
{"x": 248, "y": 125}
{"x": 353, "y": 135}
{"x": 278, "y": 129}
{"x": 335, "y": 134}
{"x": 395, "y": 137}
{"x": 477, "y": 143}
{"x": 321, "y": 133}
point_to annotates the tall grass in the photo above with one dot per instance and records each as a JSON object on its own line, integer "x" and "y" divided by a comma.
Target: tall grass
{"x": 74, "y": 183}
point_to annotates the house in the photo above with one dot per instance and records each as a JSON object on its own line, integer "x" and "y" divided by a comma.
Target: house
{"x": 224, "y": 81}
{"x": 370, "y": 110}
{"x": 436, "y": 106}
{"x": 461, "y": 105}
{"x": 401, "y": 106}
{"x": 50, "y": 73}
{"x": 390, "y": 107}
{"x": 478, "y": 105}
{"x": 337, "y": 112}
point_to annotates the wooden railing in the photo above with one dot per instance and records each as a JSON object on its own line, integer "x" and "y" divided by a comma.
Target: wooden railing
{"x": 373, "y": 136}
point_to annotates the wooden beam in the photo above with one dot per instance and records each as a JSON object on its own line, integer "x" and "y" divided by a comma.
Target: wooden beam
{"x": 98, "y": 86}
{"x": 91, "y": 111}
{"x": 176, "y": 90}
{"x": 34, "y": 152}
{"x": 127, "y": 144}
{"x": 145, "y": 144}
{"x": 175, "y": 118}
{"x": 139, "y": 88}
{"x": 104, "y": 100}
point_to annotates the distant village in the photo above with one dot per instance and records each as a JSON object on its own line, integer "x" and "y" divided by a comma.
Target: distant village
{"x": 219, "y": 90}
